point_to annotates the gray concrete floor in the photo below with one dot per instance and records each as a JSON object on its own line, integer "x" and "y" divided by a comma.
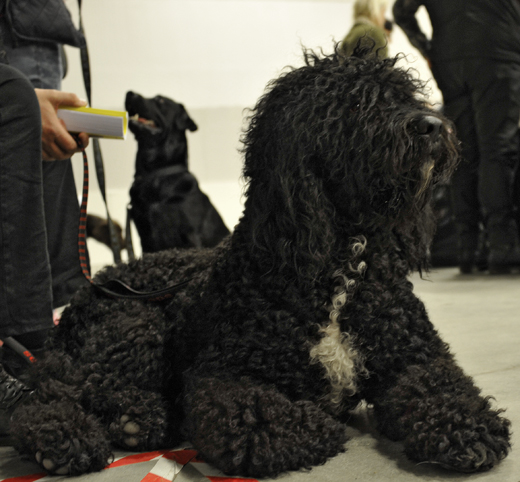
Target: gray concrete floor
{"x": 478, "y": 315}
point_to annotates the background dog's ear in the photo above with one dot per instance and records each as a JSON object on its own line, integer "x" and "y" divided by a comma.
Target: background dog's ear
{"x": 184, "y": 121}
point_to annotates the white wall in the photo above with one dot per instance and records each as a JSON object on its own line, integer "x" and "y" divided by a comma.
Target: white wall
{"x": 214, "y": 56}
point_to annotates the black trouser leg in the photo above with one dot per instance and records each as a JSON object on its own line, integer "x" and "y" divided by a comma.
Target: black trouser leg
{"x": 25, "y": 281}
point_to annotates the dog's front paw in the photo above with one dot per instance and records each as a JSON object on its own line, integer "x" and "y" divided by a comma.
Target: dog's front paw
{"x": 474, "y": 444}
{"x": 477, "y": 458}
{"x": 255, "y": 431}
{"x": 52, "y": 462}
{"x": 49, "y": 465}
{"x": 61, "y": 437}
{"x": 73, "y": 457}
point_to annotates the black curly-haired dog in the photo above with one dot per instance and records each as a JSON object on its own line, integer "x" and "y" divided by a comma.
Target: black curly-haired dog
{"x": 167, "y": 206}
{"x": 304, "y": 311}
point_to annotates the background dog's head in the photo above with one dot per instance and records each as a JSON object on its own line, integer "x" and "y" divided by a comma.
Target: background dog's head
{"x": 159, "y": 125}
{"x": 343, "y": 146}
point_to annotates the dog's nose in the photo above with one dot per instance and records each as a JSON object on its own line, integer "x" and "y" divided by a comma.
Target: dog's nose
{"x": 428, "y": 125}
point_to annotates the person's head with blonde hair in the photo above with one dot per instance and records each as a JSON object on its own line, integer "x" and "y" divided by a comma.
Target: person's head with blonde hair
{"x": 374, "y": 10}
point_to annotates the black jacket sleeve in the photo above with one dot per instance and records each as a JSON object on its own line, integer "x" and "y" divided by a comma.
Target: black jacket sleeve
{"x": 404, "y": 15}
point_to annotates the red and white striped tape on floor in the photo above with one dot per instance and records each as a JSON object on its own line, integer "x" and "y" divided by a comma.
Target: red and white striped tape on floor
{"x": 168, "y": 468}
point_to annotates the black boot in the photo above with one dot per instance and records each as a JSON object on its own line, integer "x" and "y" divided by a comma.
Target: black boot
{"x": 504, "y": 259}
{"x": 12, "y": 393}
{"x": 468, "y": 248}
{"x": 504, "y": 246}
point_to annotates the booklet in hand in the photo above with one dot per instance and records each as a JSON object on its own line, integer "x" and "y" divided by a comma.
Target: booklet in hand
{"x": 110, "y": 124}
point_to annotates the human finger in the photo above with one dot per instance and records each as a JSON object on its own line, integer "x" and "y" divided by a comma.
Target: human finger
{"x": 83, "y": 139}
{"x": 67, "y": 99}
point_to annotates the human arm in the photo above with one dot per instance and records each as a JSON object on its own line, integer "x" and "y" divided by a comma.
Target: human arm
{"x": 404, "y": 15}
{"x": 57, "y": 142}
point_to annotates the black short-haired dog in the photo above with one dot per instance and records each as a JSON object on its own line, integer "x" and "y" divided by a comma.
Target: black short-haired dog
{"x": 303, "y": 312}
{"x": 167, "y": 206}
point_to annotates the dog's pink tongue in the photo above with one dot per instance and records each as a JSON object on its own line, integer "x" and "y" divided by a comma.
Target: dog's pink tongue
{"x": 149, "y": 123}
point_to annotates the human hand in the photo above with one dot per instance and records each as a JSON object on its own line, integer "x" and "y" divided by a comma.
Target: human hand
{"x": 57, "y": 142}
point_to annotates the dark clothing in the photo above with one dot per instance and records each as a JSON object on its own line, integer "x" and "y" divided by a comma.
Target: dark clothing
{"x": 41, "y": 21}
{"x": 41, "y": 64}
{"x": 482, "y": 97}
{"x": 475, "y": 59}
{"x": 40, "y": 230}
{"x": 464, "y": 28}
{"x": 25, "y": 278}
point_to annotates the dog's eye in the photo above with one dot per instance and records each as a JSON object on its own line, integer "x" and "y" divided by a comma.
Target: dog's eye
{"x": 354, "y": 108}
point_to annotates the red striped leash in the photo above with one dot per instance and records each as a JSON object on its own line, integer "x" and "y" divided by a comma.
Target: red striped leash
{"x": 113, "y": 288}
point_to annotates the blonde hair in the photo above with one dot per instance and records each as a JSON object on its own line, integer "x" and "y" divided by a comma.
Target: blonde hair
{"x": 370, "y": 9}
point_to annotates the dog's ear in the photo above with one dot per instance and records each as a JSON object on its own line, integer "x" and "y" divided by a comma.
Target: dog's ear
{"x": 184, "y": 121}
{"x": 293, "y": 221}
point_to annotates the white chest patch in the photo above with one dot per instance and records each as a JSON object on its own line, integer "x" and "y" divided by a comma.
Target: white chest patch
{"x": 339, "y": 358}
{"x": 335, "y": 351}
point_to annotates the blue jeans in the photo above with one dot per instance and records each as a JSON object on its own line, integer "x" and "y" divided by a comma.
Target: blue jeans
{"x": 40, "y": 63}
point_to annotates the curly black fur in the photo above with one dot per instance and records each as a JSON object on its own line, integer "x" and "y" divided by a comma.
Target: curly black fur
{"x": 302, "y": 312}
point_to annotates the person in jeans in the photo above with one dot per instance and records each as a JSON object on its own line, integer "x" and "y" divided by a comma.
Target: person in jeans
{"x": 25, "y": 271}
{"x": 39, "y": 211}
{"x": 31, "y": 34}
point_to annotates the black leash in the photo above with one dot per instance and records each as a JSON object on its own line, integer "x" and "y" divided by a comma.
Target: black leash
{"x": 113, "y": 288}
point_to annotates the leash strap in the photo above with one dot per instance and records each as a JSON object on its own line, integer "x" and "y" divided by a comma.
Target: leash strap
{"x": 98, "y": 158}
{"x": 113, "y": 288}
{"x": 82, "y": 234}
{"x": 19, "y": 349}
{"x": 129, "y": 245}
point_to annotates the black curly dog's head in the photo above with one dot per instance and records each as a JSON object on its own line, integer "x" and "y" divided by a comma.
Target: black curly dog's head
{"x": 344, "y": 146}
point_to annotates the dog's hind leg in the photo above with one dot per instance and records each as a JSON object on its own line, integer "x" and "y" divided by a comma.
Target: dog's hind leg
{"x": 58, "y": 434}
{"x": 439, "y": 414}
{"x": 254, "y": 430}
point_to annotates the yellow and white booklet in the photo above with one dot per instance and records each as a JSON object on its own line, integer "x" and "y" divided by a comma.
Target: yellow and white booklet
{"x": 111, "y": 124}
